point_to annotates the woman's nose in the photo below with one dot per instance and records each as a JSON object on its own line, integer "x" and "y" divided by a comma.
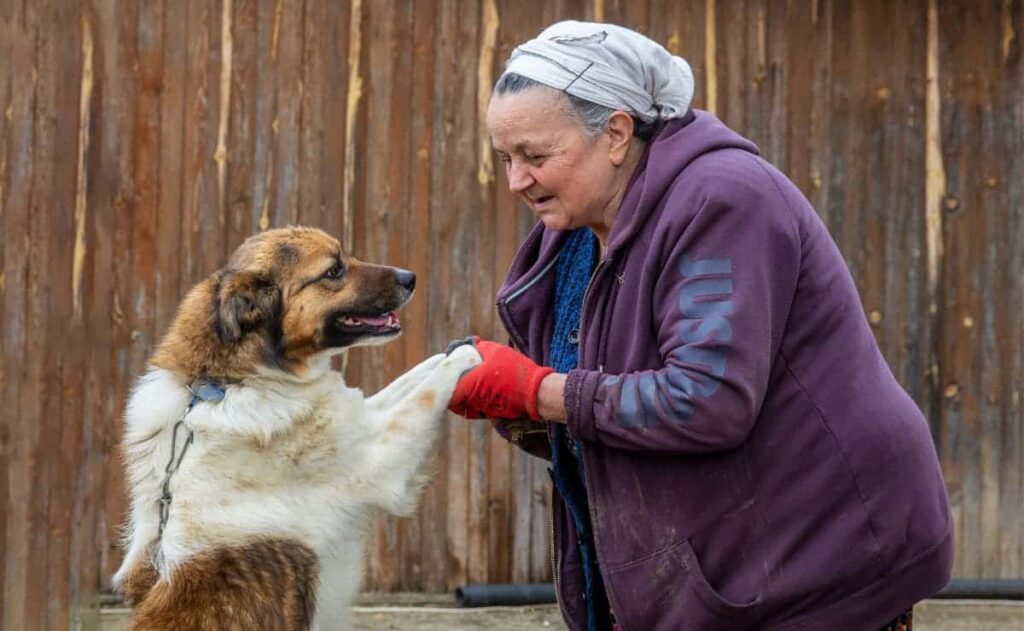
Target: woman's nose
{"x": 519, "y": 178}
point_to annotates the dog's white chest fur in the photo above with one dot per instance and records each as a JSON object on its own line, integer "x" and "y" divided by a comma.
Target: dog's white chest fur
{"x": 279, "y": 458}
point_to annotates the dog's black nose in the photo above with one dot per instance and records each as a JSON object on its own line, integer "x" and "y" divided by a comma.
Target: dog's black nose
{"x": 405, "y": 279}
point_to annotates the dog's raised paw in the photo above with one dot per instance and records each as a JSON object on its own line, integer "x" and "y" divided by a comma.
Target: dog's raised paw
{"x": 464, "y": 357}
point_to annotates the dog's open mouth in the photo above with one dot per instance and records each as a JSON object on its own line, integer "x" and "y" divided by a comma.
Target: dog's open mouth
{"x": 380, "y": 324}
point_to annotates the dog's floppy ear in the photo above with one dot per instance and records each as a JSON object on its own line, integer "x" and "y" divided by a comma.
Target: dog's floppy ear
{"x": 244, "y": 301}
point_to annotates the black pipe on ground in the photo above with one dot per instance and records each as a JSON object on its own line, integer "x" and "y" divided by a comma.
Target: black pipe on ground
{"x": 984, "y": 589}
{"x": 504, "y": 595}
{"x": 516, "y": 595}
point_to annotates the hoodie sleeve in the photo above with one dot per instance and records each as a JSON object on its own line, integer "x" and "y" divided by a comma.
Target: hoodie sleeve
{"x": 721, "y": 301}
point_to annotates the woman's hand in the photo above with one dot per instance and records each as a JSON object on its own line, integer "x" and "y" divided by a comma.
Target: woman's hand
{"x": 504, "y": 386}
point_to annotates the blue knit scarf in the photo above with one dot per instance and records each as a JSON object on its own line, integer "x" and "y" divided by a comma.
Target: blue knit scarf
{"x": 573, "y": 271}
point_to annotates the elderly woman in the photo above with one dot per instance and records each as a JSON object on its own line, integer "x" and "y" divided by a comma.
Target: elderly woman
{"x": 729, "y": 449}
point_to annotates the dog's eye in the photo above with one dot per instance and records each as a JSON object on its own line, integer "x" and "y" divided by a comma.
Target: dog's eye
{"x": 336, "y": 272}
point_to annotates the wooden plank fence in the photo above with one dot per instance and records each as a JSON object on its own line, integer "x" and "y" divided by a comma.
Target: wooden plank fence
{"x": 140, "y": 142}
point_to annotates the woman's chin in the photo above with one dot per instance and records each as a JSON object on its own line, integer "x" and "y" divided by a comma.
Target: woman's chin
{"x": 553, "y": 221}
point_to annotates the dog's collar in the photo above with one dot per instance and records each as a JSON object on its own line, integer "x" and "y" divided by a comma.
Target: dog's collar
{"x": 204, "y": 389}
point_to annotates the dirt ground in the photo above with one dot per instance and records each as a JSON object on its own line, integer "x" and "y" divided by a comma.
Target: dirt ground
{"x": 436, "y": 615}
{"x": 933, "y": 615}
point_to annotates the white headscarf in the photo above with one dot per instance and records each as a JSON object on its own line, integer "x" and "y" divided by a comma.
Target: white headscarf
{"x": 608, "y": 65}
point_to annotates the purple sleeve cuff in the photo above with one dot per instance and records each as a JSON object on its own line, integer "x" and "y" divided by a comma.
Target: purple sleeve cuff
{"x": 580, "y": 387}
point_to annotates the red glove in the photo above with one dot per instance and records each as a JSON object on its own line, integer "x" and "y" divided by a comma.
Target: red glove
{"x": 504, "y": 386}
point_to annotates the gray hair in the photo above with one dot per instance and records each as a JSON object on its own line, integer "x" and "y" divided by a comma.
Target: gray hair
{"x": 592, "y": 116}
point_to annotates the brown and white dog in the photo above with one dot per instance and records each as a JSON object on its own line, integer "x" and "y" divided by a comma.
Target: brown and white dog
{"x": 268, "y": 507}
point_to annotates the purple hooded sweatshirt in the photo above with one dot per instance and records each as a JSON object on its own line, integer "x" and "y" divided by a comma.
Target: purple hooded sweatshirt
{"x": 750, "y": 460}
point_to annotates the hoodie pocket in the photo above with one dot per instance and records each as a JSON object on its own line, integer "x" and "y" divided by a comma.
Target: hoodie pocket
{"x": 667, "y": 591}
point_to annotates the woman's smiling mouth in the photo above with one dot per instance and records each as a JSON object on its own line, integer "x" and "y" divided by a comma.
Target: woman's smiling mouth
{"x": 538, "y": 202}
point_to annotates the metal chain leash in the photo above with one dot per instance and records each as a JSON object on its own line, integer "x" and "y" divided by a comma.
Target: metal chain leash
{"x": 172, "y": 467}
{"x": 204, "y": 390}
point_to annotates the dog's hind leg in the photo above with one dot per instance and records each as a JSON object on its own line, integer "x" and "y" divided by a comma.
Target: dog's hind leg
{"x": 269, "y": 585}
{"x": 134, "y": 582}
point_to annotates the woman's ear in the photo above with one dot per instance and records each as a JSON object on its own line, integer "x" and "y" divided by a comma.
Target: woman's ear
{"x": 620, "y": 133}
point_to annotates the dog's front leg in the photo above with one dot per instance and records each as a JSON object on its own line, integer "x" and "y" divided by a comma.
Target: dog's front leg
{"x": 409, "y": 428}
{"x": 400, "y": 388}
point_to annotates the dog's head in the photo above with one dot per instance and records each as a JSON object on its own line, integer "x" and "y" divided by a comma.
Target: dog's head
{"x": 285, "y": 296}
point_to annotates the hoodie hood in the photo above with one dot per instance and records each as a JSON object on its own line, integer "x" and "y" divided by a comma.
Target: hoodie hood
{"x": 675, "y": 145}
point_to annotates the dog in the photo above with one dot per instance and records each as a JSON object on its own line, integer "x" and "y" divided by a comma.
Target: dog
{"x": 252, "y": 467}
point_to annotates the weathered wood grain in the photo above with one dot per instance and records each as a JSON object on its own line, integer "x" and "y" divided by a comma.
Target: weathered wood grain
{"x": 141, "y": 142}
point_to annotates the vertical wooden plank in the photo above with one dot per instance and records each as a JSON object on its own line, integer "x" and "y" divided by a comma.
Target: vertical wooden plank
{"x": 355, "y": 119}
{"x": 288, "y": 95}
{"x": 96, "y": 251}
{"x": 169, "y": 281}
{"x": 371, "y": 243}
{"x": 1005, "y": 385}
{"x": 453, "y": 232}
{"x": 679, "y": 26}
{"x": 84, "y": 562}
{"x": 36, "y": 402}
{"x": 17, "y": 139}
{"x": 334, "y": 48}
{"x": 411, "y": 348}
{"x": 803, "y": 89}
{"x": 433, "y": 537}
{"x": 63, "y": 590}
{"x": 221, "y": 155}
{"x": 478, "y": 33}
{"x": 146, "y": 170}
{"x": 452, "y": 256}
{"x": 774, "y": 75}
{"x": 710, "y": 82}
{"x": 541, "y": 525}
{"x": 264, "y": 96}
{"x": 244, "y": 134}
{"x": 873, "y": 206}
{"x": 819, "y": 151}
{"x": 118, "y": 28}
{"x": 981, "y": 229}
{"x": 498, "y": 475}
{"x": 899, "y": 312}
{"x": 512, "y": 527}
{"x": 201, "y": 113}
{"x": 311, "y": 203}
{"x": 211, "y": 58}
{"x": 729, "y": 39}
{"x": 8, "y": 75}
{"x": 136, "y": 228}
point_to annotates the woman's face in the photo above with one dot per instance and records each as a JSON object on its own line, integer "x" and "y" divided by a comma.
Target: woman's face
{"x": 568, "y": 179}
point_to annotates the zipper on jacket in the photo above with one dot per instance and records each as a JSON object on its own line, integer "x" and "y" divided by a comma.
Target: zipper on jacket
{"x": 533, "y": 281}
{"x": 504, "y": 302}
{"x": 591, "y": 508}
{"x": 579, "y": 329}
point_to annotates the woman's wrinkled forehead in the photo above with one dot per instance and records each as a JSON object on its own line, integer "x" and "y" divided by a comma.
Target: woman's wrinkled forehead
{"x": 536, "y": 116}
